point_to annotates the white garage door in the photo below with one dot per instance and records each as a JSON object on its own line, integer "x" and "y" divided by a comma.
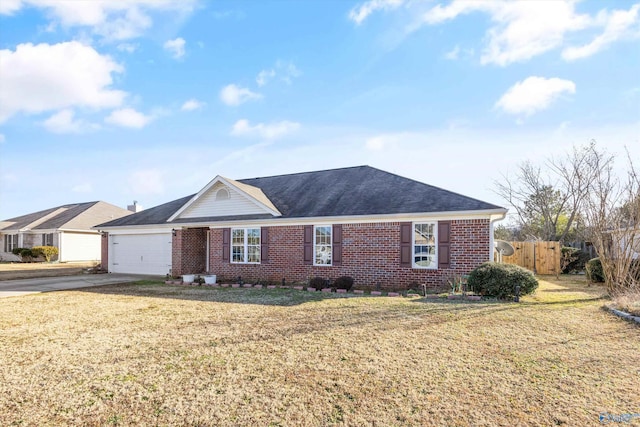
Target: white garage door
{"x": 140, "y": 253}
{"x": 79, "y": 247}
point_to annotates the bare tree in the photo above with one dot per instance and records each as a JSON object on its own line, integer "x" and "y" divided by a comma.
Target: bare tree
{"x": 548, "y": 205}
{"x": 612, "y": 210}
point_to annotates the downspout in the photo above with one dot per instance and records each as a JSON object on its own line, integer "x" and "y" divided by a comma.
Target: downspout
{"x": 493, "y": 219}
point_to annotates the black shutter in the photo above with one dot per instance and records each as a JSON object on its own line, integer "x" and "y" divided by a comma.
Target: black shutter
{"x": 264, "y": 245}
{"x": 444, "y": 244}
{"x": 406, "y": 228}
{"x": 308, "y": 244}
{"x": 336, "y": 251}
{"x": 226, "y": 243}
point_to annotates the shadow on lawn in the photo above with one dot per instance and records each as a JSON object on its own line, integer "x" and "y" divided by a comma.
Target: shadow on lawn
{"x": 292, "y": 297}
{"x": 276, "y": 297}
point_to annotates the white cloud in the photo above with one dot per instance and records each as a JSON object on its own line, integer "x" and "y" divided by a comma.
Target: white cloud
{"x": 113, "y": 20}
{"x": 86, "y": 187}
{"x": 286, "y": 70}
{"x": 617, "y": 24}
{"x": 264, "y": 76}
{"x": 522, "y": 30}
{"x": 192, "y": 104}
{"x": 382, "y": 142}
{"x": 9, "y": 7}
{"x": 361, "y": 12}
{"x": 236, "y": 95}
{"x": 128, "y": 117}
{"x": 38, "y": 78}
{"x": 452, "y": 55}
{"x": 175, "y": 47}
{"x": 63, "y": 122}
{"x": 148, "y": 181}
{"x": 127, "y": 47}
{"x": 533, "y": 94}
{"x": 266, "y": 131}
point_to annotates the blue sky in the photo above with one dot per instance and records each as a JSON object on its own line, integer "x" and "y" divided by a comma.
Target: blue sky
{"x": 149, "y": 100}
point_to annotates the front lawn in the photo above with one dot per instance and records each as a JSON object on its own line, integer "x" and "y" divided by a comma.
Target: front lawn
{"x": 152, "y": 354}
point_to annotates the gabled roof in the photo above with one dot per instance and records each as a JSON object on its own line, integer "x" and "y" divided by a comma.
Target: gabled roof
{"x": 77, "y": 216}
{"x": 253, "y": 194}
{"x": 354, "y": 191}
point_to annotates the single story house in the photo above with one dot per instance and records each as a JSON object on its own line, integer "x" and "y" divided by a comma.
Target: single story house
{"x": 382, "y": 229}
{"x": 67, "y": 227}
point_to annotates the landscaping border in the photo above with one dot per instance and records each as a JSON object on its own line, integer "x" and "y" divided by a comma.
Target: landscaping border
{"x": 622, "y": 314}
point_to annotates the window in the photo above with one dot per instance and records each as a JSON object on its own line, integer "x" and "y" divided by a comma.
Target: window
{"x": 10, "y": 242}
{"x": 245, "y": 245}
{"x": 322, "y": 245}
{"x": 47, "y": 239}
{"x": 424, "y": 245}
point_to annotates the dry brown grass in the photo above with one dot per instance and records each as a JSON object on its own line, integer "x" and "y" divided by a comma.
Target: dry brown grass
{"x": 628, "y": 302}
{"x": 151, "y": 354}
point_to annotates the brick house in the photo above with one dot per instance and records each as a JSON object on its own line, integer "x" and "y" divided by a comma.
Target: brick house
{"x": 380, "y": 228}
{"x": 67, "y": 227}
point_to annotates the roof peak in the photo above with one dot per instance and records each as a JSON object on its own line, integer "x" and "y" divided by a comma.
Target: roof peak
{"x": 306, "y": 172}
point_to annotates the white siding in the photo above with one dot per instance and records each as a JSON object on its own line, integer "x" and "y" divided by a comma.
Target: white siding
{"x": 79, "y": 247}
{"x": 207, "y": 205}
{"x": 140, "y": 253}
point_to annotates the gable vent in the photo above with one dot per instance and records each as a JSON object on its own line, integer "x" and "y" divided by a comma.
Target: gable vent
{"x": 222, "y": 194}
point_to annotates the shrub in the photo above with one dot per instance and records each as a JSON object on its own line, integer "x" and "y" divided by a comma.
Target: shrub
{"x": 594, "y": 271}
{"x": 500, "y": 280}
{"x": 343, "y": 282}
{"x": 25, "y": 254}
{"x": 317, "y": 282}
{"x": 48, "y": 252}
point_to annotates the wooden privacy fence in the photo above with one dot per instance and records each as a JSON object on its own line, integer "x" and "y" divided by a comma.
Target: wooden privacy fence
{"x": 539, "y": 257}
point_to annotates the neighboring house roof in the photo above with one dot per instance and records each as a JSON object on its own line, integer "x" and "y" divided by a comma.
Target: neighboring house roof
{"x": 75, "y": 216}
{"x": 353, "y": 191}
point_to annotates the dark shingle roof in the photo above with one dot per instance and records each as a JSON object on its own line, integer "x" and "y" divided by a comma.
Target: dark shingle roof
{"x": 79, "y": 216}
{"x": 68, "y": 212}
{"x": 156, "y": 215}
{"x": 66, "y": 216}
{"x": 360, "y": 190}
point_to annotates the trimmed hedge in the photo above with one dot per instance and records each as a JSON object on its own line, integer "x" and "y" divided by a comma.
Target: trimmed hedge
{"x": 317, "y": 282}
{"x": 343, "y": 282}
{"x": 500, "y": 280}
{"x": 594, "y": 271}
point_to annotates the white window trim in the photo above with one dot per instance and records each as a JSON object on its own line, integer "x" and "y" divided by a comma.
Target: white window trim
{"x": 330, "y": 245}
{"x": 413, "y": 244}
{"x": 245, "y": 245}
{"x": 11, "y": 242}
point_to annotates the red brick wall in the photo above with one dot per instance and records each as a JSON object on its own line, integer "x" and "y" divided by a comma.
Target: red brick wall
{"x": 189, "y": 251}
{"x": 371, "y": 255}
{"x": 104, "y": 251}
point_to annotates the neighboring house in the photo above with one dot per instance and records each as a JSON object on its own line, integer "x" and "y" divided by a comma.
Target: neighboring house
{"x": 68, "y": 227}
{"x": 382, "y": 229}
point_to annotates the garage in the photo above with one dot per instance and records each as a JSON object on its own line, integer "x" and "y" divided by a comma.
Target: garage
{"x": 79, "y": 247}
{"x": 140, "y": 253}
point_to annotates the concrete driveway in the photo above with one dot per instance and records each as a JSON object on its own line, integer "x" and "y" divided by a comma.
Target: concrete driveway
{"x": 12, "y": 288}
